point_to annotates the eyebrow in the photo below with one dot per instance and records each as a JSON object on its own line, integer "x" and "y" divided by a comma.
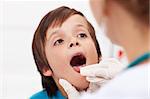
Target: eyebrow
{"x": 80, "y": 25}
{"x": 51, "y": 33}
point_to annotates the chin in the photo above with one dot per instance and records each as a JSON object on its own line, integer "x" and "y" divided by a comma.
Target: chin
{"x": 82, "y": 84}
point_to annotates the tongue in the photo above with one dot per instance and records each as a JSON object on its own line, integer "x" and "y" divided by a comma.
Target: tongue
{"x": 77, "y": 69}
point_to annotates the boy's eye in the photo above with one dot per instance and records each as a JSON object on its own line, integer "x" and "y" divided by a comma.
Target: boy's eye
{"x": 82, "y": 35}
{"x": 58, "y": 42}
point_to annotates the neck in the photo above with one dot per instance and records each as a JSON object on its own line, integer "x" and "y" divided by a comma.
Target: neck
{"x": 133, "y": 53}
{"x": 59, "y": 86}
{"x": 137, "y": 46}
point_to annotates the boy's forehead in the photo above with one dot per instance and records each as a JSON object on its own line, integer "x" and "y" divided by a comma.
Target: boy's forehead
{"x": 74, "y": 21}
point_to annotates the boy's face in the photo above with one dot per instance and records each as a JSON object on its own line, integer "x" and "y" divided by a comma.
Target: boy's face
{"x": 70, "y": 47}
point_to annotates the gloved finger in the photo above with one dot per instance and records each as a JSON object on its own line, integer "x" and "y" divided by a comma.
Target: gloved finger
{"x": 95, "y": 79}
{"x": 106, "y": 68}
{"x": 94, "y": 70}
{"x": 69, "y": 89}
{"x": 94, "y": 86}
{"x": 89, "y": 70}
{"x": 113, "y": 65}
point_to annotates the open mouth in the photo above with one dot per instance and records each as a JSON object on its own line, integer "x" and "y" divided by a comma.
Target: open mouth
{"x": 78, "y": 60}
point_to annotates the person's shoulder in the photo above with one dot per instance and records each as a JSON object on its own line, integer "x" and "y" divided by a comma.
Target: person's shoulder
{"x": 40, "y": 95}
{"x": 138, "y": 72}
{"x": 132, "y": 82}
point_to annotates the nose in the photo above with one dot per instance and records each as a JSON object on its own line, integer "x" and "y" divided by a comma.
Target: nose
{"x": 73, "y": 43}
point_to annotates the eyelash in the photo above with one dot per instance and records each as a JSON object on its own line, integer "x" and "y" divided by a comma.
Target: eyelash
{"x": 58, "y": 42}
{"x": 82, "y": 35}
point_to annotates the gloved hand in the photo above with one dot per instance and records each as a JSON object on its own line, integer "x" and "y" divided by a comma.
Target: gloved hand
{"x": 69, "y": 89}
{"x": 96, "y": 74}
{"x": 99, "y": 74}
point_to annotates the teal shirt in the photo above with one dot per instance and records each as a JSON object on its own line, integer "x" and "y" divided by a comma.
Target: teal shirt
{"x": 43, "y": 95}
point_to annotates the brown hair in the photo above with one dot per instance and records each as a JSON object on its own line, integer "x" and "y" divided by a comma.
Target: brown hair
{"x": 138, "y": 8}
{"x": 52, "y": 19}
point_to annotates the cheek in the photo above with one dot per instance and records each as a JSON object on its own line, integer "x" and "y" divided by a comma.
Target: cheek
{"x": 112, "y": 30}
{"x": 92, "y": 56}
{"x": 57, "y": 60}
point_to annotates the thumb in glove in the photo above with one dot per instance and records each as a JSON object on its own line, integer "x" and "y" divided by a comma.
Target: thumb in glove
{"x": 69, "y": 89}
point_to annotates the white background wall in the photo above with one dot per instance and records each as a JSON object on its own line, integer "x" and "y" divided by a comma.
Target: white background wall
{"x": 19, "y": 78}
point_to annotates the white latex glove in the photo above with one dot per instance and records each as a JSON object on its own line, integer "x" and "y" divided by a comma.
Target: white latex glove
{"x": 69, "y": 89}
{"x": 99, "y": 74}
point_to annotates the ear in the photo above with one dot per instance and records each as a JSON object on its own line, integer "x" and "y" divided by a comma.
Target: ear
{"x": 47, "y": 72}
